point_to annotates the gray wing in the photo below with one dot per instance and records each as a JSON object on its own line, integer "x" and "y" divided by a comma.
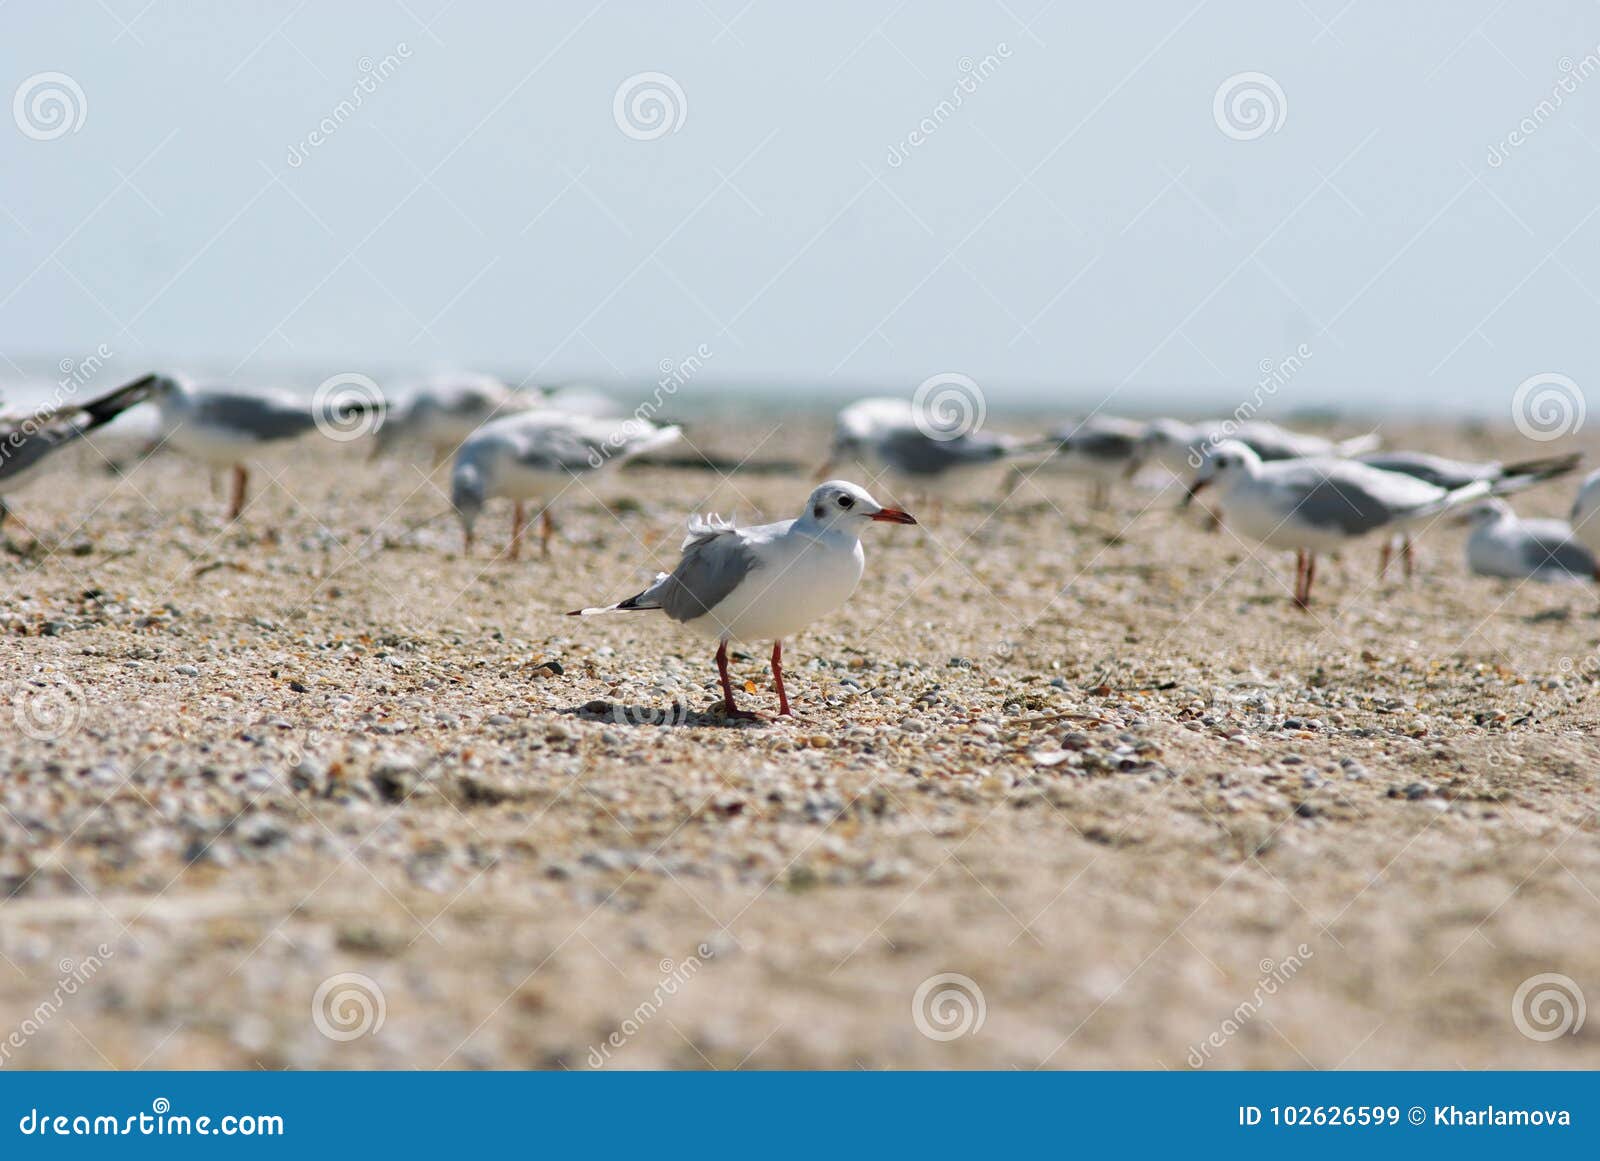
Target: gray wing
{"x": 713, "y": 564}
{"x": 1343, "y": 504}
{"x": 916, "y": 454}
{"x": 1099, "y": 444}
{"x": 262, "y": 417}
{"x": 557, "y": 448}
{"x": 1551, "y": 552}
{"x": 1441, "y": 473}
{"x": 22, "y": 449}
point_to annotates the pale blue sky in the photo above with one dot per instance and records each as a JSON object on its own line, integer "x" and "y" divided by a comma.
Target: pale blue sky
{"x": 1080, "y": 223}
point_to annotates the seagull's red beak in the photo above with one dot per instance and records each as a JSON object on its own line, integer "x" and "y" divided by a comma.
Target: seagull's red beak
{"x": 894, "y": 516}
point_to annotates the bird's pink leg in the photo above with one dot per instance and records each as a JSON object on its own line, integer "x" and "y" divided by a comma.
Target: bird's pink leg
{"x": 241, "y": 481}
{"x": 1311, "y": 575}
{"x": 1407, "y": 557}
{"x": 777, "y": 679}
{"x": 547, "y": 528}
{"x": 727, "y": 686}
{"x": 516, "y": 530}
{"x": 1383, "y": 559}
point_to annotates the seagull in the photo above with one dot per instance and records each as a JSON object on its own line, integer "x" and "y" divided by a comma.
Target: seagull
{"x": 27, "y": 440}
{"x": 534, "y": 454}
{"x": 858, "y": 428}
{"x": 1318, "y": 505}
{"x": 442, "y": 412}
{"x": 1504, "y": 545}
{"x": 1585, "y": 527}
{"x": 1503, "y": 479}
{"x": 766, "y": 582}
{"x": 224, "y": 426}
{"x": 1099, "y": 448}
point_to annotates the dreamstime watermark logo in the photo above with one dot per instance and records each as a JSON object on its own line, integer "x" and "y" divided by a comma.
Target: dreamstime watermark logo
{"x": 1249, "y": 105}
{"x": 47, "y": 713}
{"x": 948, "y": 1006}
{"x": 74, "y": 974}
{"x": 1548, "y": 1006}
{"x": 347, "y": 406}
{"x": 49, "y": 105}
{"x": 74, "y": 374}
{"x": 948, "y": 406}
{"x": 1548, "y": 406}
{"x": 973, "y": 74}
{"x": 648, "y": 106}
{"x": 1573, "y": 74}
{"x": 673, "y": 977}
{"x": 373, "y": 73}
{"x": 348, "y": 1006}
{"x": 674, "y": 374}
{"x": 1274, "y": 975}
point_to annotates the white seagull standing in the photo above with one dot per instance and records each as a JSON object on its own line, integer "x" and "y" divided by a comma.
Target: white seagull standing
{"x": 1099, "y": 448}
{"x": 767, "y": 582}
{"x": 1319, "y": 505}
{"x": 1504, "y": 545}
{"x": 225, "y": 426}
{"x": 858, "y": 428}
{"x": 535, "y": 454}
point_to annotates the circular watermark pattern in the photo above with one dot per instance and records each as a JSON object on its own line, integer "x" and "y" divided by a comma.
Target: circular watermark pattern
{"x": 649, "y": 105}
{"x": 1548, "y": 406}
{"x": 1249, "y": 105}
{"x": 348, "y": 406}
{"x": 49, "y": 105}
{"x": 948, "y": 406}
{"x": 348, "y": 1006}
{"x": 675, "y": 713}
{"x": 948, "y": 1006}
{"x": 1548, "y": 1006}
{"x": 161, "y": 1106}
{"x": 49, "y": 713}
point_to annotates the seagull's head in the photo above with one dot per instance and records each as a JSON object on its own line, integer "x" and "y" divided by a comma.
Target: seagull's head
{"x": 1223, "y": 461}
{"x": 1484, "y": 513}
{"x": 839, "y": 504}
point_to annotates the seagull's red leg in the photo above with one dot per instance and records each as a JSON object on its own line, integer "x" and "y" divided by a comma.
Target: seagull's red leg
{"x": 1383, "y": 559}
{"x": 1299, "y": 574}
{"x": 547, "y": 528}
{"x": 1406, "y": 556}
{"x": 241, "y": 480}
{"x": 516, "y": 530}
{"x": 777, "y": 679}
{"x": 727, "y": 687}
{"x": 1311, "y": 575}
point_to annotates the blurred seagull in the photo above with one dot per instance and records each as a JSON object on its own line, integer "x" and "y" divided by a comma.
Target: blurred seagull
{"x": 1099, "y": 448}
{"x": 1504, "y": 545}
{"x": 223, "y": 426}
{"x": 858, "y": 428}
{"x": 1503, "y": 480}
{"x": 1179, "y": 447}
{"x": 767, "y": 582}
{"x": 442, "y": 412}
{"x": 535, "y": 454}
{"x": 1585, "y": 523}
{"x": 29, "y": 439}
{"x": 1318, "y": 505}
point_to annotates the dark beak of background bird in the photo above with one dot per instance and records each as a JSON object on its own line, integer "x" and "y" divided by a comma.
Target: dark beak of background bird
{"x": 1194, "y": 490}
{"x": 894, "y": 516}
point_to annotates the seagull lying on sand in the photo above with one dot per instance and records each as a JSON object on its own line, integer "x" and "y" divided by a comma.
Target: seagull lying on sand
{"x": 224, "y": 426}
{"x": 1502, "y": 544}
{"x": 767, "y": 582}
{"x": 445, "y": 410}
{"x": 1318, "y": 505}
{"x": 27, "y": 440}
{"x": 537, "y": 454}
{"x": 1503, "y": 480}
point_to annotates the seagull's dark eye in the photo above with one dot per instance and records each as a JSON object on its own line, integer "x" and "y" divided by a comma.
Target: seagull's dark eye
{"x": 846, "y": 502}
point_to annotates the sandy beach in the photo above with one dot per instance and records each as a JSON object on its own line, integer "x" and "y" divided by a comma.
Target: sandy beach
{"x": 315, "y": 790}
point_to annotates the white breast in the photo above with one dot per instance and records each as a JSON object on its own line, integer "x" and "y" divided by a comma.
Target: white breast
{"x": 800, "y": 581}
